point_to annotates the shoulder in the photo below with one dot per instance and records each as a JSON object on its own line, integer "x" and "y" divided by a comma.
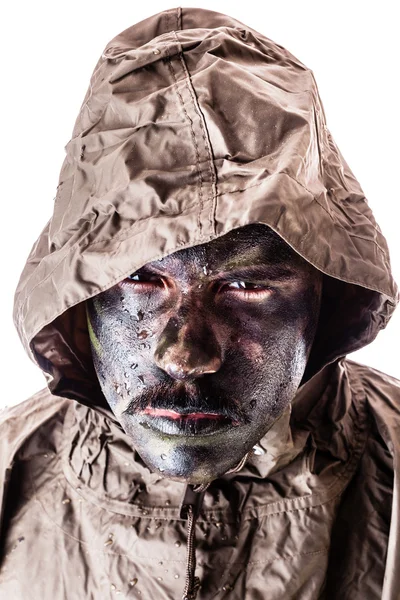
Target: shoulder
{"x": 376, "y": 383}
{"x": 382, "y": 393}
{"x": 18, "y": 422}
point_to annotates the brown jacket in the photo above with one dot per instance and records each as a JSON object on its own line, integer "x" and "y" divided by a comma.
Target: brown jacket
{"x": 195, "y": 124}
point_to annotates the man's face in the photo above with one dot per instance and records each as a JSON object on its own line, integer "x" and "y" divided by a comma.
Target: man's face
{"x": 200, "y": 352}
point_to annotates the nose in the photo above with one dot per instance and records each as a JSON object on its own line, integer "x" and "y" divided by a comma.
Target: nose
{"x": 188, "y": 351}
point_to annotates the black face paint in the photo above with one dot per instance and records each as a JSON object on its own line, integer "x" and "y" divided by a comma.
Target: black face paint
{"x": 200, "y": 352}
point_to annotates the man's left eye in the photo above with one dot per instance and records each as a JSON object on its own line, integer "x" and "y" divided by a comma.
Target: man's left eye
{"x": 244, "y": 285}
{"x": 246, "y": 290}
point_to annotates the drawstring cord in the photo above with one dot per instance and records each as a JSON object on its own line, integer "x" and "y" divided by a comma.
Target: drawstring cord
{"x": 192, "y": 583}
{"x": 190, "y": 510}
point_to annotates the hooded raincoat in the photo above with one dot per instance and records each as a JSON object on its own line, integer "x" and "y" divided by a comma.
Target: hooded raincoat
{"x": 195, "y": 124}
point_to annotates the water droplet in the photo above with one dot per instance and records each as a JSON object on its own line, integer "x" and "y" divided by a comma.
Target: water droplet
{"x": 142, "y": 335}
{"x": 118, "y": 390}
{"x": 141, "y": 379}
{"x": 156, "y": 51}
{"x": 133, "y": 581}
{"x": 45, "y": 455}
{"x": 134, "y": 366}
{"x": 145, "y": 512}
{"x": 218, "y": 524}
{"x": 113, "y": 586}
{"x": 126, "y": 463}
{"x": 140, "y": 315}
{"x": 258, "y": 450}
{"x": 167, "y": 503}
{"x": 159, "y": 578}
{"x": 66, "y": 501}
{"x": 163, "y": 456}
{"x": 78, "y": 488}
{"x": 178, "y": 544}
{"x": 176, "y": 576}
{"x": 161, "y": 469}
{"x": 205, "y": 271}
{"x": 227, "y": 587}
{"x": 110, "y": 540}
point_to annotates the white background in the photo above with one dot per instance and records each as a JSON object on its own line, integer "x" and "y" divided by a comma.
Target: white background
{"x": 48, "y": 52}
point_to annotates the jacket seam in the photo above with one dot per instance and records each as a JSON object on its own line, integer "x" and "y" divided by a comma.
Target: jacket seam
{"x": 206, "y": 138}
{"x": 194, "y": 140}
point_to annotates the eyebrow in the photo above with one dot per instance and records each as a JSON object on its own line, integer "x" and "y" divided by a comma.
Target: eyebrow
{"x": 271, "y": 272}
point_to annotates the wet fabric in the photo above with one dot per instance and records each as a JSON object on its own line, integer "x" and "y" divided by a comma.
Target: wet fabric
{"x": 195, "y": 124}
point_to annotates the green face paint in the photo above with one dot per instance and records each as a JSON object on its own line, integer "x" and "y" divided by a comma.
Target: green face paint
{"x": 94, "y": 341}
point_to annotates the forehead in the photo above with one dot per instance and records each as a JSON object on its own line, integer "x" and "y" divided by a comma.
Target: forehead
{"x": 251, "y": 244}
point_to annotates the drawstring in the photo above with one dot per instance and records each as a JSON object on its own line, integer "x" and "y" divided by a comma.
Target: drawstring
{"x": 192, "y": 583}
{"x": 190, "y": 510}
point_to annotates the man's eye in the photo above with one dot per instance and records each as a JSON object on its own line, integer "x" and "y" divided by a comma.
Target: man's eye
{"x": 145, "y": 280}
{"x": 244, "y": 285}
{"x": 247, "y": 290}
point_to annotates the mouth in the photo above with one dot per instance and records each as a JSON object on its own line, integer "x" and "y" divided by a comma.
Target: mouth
{"x": 171, "y": 422}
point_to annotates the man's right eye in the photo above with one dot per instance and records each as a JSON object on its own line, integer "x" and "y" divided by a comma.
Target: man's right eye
{"x": 144, "y": 280}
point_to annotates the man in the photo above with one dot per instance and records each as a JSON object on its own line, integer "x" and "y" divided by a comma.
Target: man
{"x": 210, "y": 262}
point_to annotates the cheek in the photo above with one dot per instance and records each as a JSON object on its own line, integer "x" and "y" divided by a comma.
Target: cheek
{"x": 267, "y": 355}
{"x": 123, "y": 333}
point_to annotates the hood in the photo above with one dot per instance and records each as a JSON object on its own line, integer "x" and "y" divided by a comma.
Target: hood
{"x": 193, "y": 125}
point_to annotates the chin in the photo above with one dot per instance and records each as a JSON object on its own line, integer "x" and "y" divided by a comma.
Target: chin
{"x": 195, "y": 458}
{"x": 182, "y": 469}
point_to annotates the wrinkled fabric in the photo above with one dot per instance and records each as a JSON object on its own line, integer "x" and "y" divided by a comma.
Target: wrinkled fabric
{"x": 193, "y": 125}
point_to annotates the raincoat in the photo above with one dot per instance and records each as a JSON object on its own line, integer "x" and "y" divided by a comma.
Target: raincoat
{"x": 195, "y": 124}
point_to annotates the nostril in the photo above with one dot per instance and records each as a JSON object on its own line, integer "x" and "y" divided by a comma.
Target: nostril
{"x": 183, "y": 370}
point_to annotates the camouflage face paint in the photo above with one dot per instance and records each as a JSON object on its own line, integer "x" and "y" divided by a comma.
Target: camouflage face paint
{"x": 199, "y": 353}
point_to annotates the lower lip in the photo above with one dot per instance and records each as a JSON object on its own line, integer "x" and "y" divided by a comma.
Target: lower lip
{"x": 170, "y": 422}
